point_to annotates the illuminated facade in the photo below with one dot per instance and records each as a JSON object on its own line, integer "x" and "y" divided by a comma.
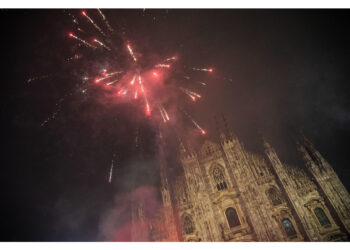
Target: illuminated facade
{"x": 229, "y": 194}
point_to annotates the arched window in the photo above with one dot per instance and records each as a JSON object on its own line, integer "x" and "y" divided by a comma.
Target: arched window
{"x": 219, "y": 179}
{"x": 289, "y": 228}
{"x": 321, "y": 216}
{"x": 188, "y": 225}
{"x": 274, "y": 196}
{"x": 232, "y": 217}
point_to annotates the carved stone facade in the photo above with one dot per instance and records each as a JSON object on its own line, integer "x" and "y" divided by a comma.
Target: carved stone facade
{"x": 229, "y": 194}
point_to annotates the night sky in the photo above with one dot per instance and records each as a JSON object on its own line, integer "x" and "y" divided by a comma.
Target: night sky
{"x": 289, "y": 71}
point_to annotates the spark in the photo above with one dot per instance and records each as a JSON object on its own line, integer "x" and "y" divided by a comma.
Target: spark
{"x": 195, "y": 123}
{"x": 155, "y": 74}
{"x": 51, "y": 117}
{"x": 133, "y": 80}
{"x": 102, "y": 44}
{"x": 91, "y": 21}
{"x": 110, "y": 83}
{"x": 208, "y": 70}
{"x": 81, "y": 40}
{"x": 148, "y": 110}
{"x": 135, "y": 96}
{"x": 105, "y": 20}
{"x": 35, "y": 78}
{"x": 162, "y": 65}
{"x": 111, "y": 172}
{"x": 140, "y": 80}
{"x": 170, "y": 59}
{"x": 97, "y": 80}
{"x": 165, "y": 113}
{"x": 203, "y": 83}
{"x": 120, "y": 92}
{"x": 162, "y": 114}
{"x": 190, "y": 93}
{"x": 131, "y": 52}
{"x": 74, "y": 57}
{"x": 187, "y": 77}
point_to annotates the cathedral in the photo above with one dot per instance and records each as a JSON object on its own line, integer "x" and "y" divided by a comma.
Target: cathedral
{"x": 226, "y": 193}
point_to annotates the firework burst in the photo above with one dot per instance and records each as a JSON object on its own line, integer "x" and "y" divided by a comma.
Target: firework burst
{"x": 140, "y": 81}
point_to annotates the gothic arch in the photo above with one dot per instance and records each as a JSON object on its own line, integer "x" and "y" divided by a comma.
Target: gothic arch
{"x": 322, "y": 217}
{"x": 187, "y": 223}
{"x": 274, "y": 196}
{"x": 289, "y": 228}
{"x": 217, "y": 174}
{"x": 232, "y": 217}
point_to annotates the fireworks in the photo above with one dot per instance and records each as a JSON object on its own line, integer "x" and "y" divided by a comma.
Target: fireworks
{"x": 82, "y": 40}
{"x": 162, "y": 65}
{"x": 195, "y": 123}
{"x": 91, "y": 21}
{"x": 105, "y": 20}
{"x": 208, "y": 70}
{"x": 127, "y": 82}
{"x": 102, "y": 44}
{"x": 110, "y": 173}
{"x": 131, "y": 52}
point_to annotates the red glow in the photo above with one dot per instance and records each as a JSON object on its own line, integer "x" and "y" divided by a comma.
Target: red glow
{"x": 155, "y": 74}
{"x": 193, "y": 98}
{"x": 203, "y": 132}
{"x": 148, "y": 110}
{"x": 70, "y": 34}
{"x": 95, "y": 40}
{"x": 210, "y": 70}
{"x": 128, "y": 46}
{"x": 83, "y": 12}
{"x": 97, "y": 80}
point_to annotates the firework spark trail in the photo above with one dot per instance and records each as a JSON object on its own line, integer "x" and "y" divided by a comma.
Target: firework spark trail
{"x": 140, "y": 80}
{"x": 162, "y": 65}
{"x": 111, "y": 172}
{"x": 190, "y": 93}
{"x": 35, "y": 78}
{"x": 165, "y": 113}
{"x": 74, "y": 57}
{"x": 58, "y": 104}
{"x": 131, "y": 52}
{"x": 133, "y": 80}
{"x": 208, "y": 70}
{"x": 161, "y": 113}
{"x": 102, "y": 44}
{"x": 170, "y": 59}
{"x": 107, "y": 76}
{"x": 194, "y": 122}
{"x": 51, "y": 117}
{"x": 105, "y": 20}
{"x": 80, "y": 29}
{"x": 81, "y": 40}
{"x": 148, "y": 110}
{"x": 91, "y": 21}
{"x": 188, "y": 78}
{"x": 75, "y": 21}
{"x": 135, "y": 96}
{"x": 110, "y": 83}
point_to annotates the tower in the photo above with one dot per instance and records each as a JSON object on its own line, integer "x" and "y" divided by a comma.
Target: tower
{"x": 309, "y": 210}
{"x": 330, "y": 186}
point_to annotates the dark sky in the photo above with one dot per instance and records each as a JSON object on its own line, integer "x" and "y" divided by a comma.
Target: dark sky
{"x": 289, "y": 69}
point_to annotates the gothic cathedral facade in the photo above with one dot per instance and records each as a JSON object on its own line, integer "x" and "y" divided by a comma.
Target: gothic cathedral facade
{"x": 229, "y": 194}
